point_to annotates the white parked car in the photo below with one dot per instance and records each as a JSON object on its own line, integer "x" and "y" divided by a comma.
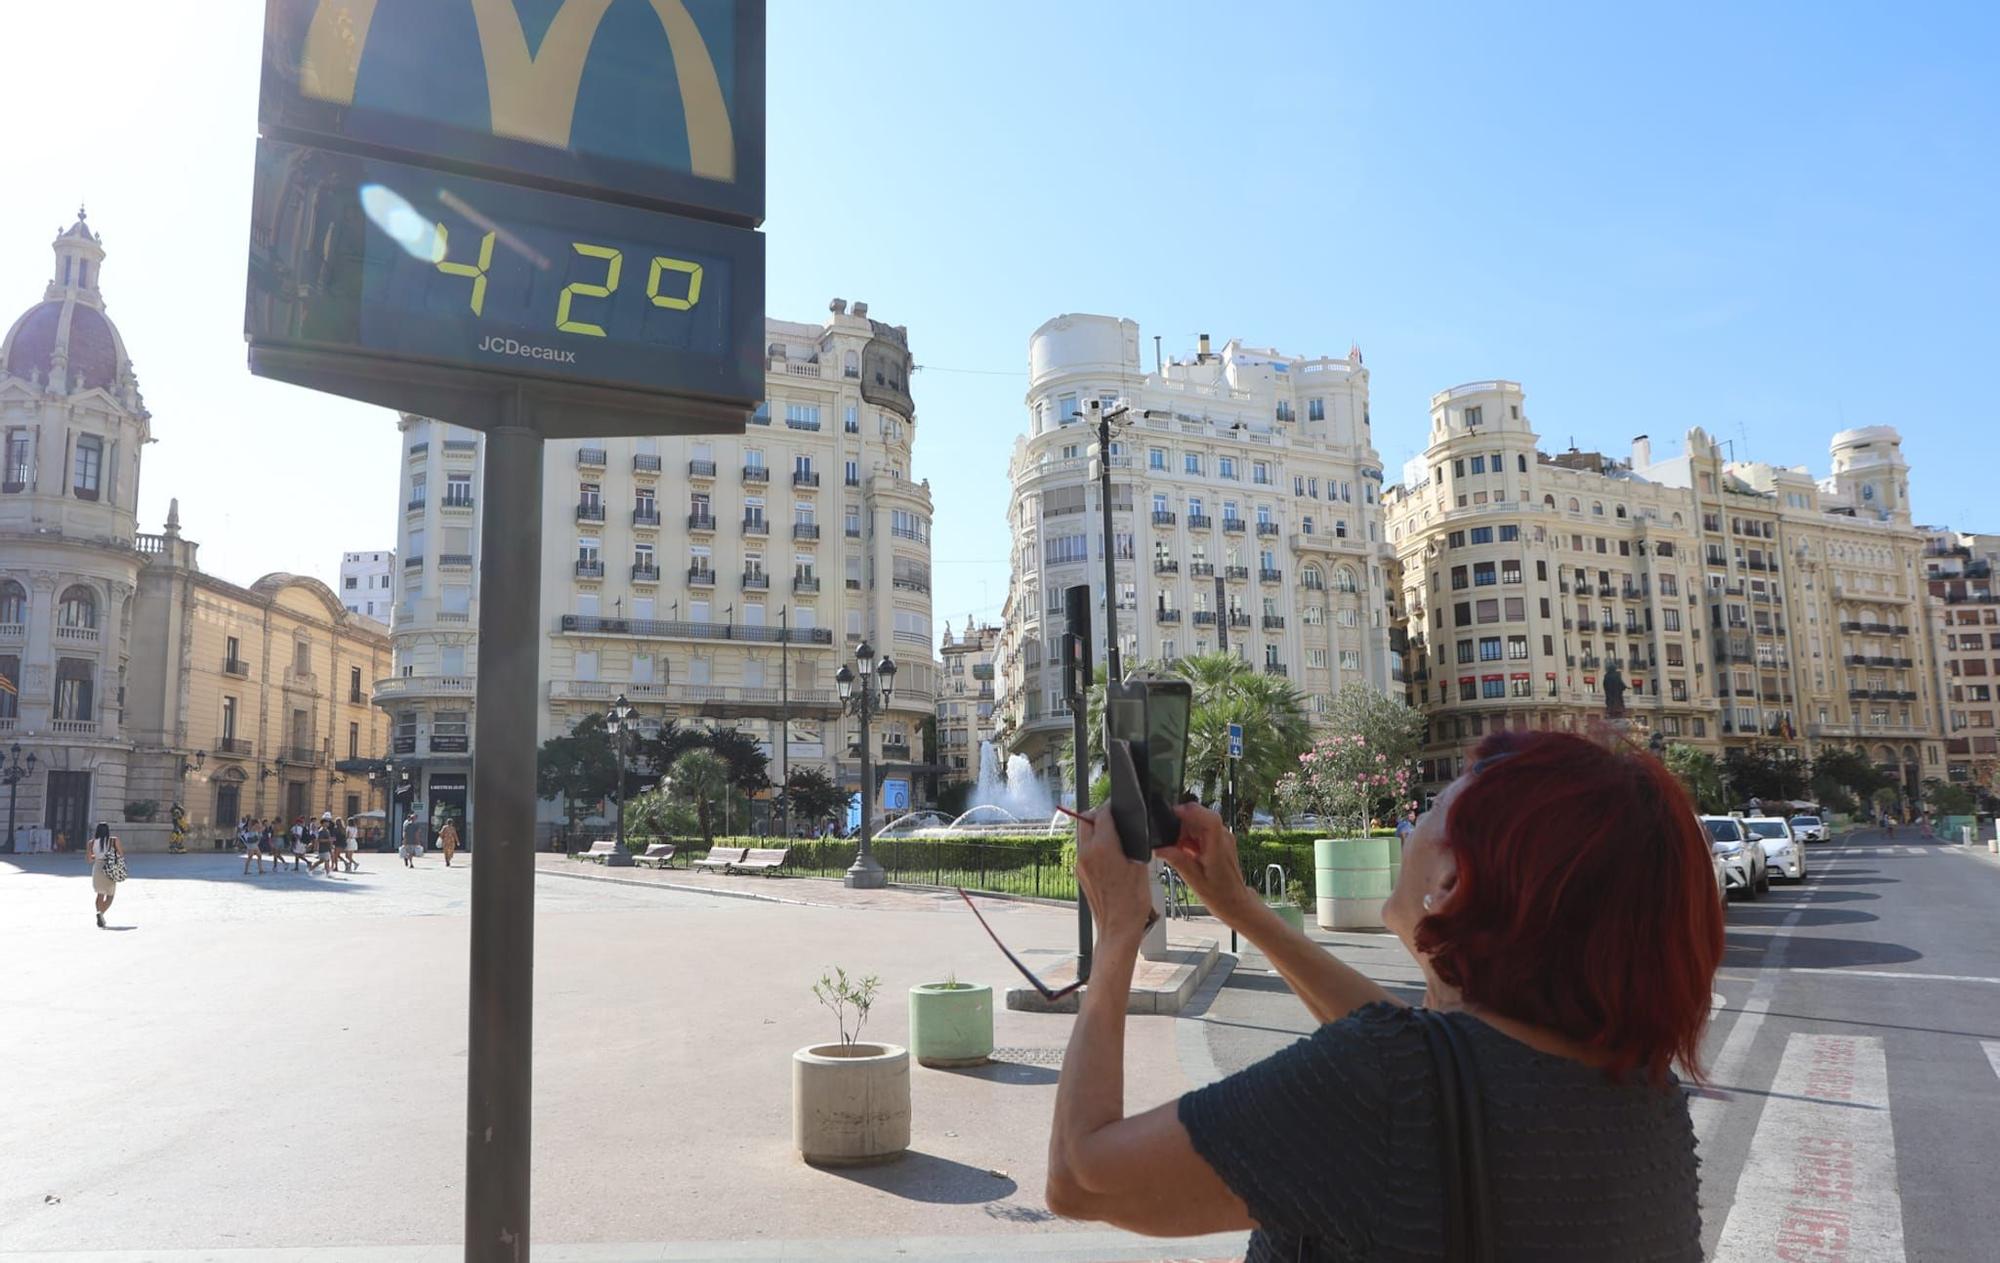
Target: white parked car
{"x": 1743, "y": 862}
{"x": 1808, "y": 828}
{"x": 1783, "y": 852}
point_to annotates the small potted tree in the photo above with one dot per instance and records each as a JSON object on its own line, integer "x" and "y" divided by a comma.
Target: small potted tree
{"x": 850, "y": 1100}
{"x": 1339, "y": 781}
{"x": 951, "y": 1023}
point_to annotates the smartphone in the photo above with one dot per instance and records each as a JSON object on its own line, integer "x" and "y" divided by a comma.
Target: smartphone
{"x": 1145, "y": 743}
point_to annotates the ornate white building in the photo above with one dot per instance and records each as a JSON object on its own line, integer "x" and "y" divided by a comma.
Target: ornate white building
{"x": 714, "y": 579}
{"x": 136, "y": 681}
{"x": 1246, "y": 504}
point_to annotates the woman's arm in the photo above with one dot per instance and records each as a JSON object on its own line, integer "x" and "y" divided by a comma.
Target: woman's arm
{"x": 1140, "y": 1173}
{"x": 1206, "y": 859}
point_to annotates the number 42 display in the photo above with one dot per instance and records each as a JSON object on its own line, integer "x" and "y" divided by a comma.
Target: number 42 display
{"x": 676, "y": 273}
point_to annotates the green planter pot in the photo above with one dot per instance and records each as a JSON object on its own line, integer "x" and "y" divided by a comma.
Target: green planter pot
{"x": 951, "y": 1024}
{"x": 1351, "y": 878}
{"x": 1290, "y": 913}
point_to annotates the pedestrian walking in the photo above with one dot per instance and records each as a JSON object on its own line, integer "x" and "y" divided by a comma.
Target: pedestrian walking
{"x": 413, "y": 840}
{"x": 1542, "y": 1059}
{"x": 448, "y": 840}
{"x": 107, "y": 868}
{"x": 248, "y": 839}
{"x": 1406, "y": 824}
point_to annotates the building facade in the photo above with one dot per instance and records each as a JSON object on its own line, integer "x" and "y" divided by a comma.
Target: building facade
{"x": 367, "y": 584}
{"x": 1246, "y": 510}
{"x": 1747, "y": 605}
{"x": 137, "y": 681}
{"x": 965, "y": 707}
{"x": 1958, "y": 569}
{"x": 710, "y": 580}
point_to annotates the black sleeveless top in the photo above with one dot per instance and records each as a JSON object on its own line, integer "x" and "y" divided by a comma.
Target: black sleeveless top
{"x": 1333, "y": 1145}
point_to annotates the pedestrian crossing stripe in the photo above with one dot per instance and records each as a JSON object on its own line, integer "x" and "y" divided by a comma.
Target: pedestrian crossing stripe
{"x": 1820, "y": 1180}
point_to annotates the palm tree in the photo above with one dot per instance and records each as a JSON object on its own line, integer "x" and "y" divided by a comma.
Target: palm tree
{"x": 702, "y": 777}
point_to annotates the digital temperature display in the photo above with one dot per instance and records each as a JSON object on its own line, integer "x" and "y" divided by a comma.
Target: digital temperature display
{"x": 364, "y": 255}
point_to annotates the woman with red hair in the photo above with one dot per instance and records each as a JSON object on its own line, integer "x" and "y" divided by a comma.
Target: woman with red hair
{"x": 1560, "y": 899}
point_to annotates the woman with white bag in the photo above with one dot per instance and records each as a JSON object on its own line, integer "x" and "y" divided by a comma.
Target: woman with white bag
{"x": 107, "y": 868}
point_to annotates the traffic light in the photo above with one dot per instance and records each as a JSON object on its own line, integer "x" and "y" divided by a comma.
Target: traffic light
{"x": 1076, "y": 643}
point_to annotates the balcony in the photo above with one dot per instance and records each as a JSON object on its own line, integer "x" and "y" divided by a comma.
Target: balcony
{"x": 756, "y": 473}
{"x": 754, "y": 524}
{"x": 805, "y": 584}
{"x": 698, "y": 576}
{"x": 1202, "y": 618}
{"x": 73, "y": 727}
{"x": 896, "y": 750}
{"x": 414, "y": 562}
{"x": 415, "y": 506}
{"x": 666, "y": 629}
{"x": 1163, "y": 517}
{"x": 590, "y": 458}
{"x": 851, "y": 530}
{"x": 1605, "y": 589}
{"x": 1200, "y": 521}
{"x": 590, "y": 511}
{"x": 805, "y": 478}
{"x": 1165, "y": 615}
{"x": 811, "y": 427}
{"x": 1266, "y": 575}
{"x": 1235, "y": 525}
{"x": 1236, "y": 572}
{"x": 805, "y": 530}
{"x": 454, "y": 561}
{"x": 1267, "y": 528}
{"x": 701, "y": 469}
{"x": 460, "y": 447}
{"x": 756, "y": 581}
{"x": 1275, "y": 668}
{"x": 457, "y": 504}
{"x": 1609, "y": 627}
{"x": 232, "y": 747}
{"x": 1274, "y": 622}
{"x": 645, "y": 463}
{"x": 1202, "y": 569}
{"x": 701, "y": 521}
{"x": 649, "y": 518}
{"x": 1237, "y": 618}
{"x": 236, "y": 667}
{"x": 1163, "y": 566}
{"x": 589, "y": 569}
{"x": 301, "y": 756}
{"x": 645, "y": 573}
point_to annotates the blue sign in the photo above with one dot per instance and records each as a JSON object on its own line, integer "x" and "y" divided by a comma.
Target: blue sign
{"x": 1236, "y": 741}
{"x": 895, "y": 794}
{"x": 854, "y": 811}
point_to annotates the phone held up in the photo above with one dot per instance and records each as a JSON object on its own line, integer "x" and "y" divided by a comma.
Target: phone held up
{"x": 1145, "y": 753}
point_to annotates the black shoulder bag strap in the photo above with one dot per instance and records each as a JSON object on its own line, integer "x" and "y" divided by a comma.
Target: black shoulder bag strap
{"x": 1468, "y": 1236}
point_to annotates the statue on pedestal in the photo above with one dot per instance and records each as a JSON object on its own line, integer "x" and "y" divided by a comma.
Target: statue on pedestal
{"x": 1614, "y": 690}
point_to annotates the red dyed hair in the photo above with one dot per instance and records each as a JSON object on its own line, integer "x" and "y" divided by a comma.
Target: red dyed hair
{"x": 1586, "y": 899}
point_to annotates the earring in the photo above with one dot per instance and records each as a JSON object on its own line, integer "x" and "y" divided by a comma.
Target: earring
{"x": 1430, "y": 902}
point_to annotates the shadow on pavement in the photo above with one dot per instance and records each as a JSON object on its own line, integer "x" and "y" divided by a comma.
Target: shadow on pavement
{"x": 1840, "y": 896}
{"x": 1017, "y": 1072}
{"x": 224, "y": 868}
{"x": 1818, "y": 953}
{"x": 1761, "y": 915}
{"x": 1856, "y": 877}
{"x": 925, "y": 1177}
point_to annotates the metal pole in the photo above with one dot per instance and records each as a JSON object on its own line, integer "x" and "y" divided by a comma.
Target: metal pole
{"x": 1086, "y": 930}
{"x": 1112, "y": 665}
{"x": 785, "y": 721}
{"x": 1221, "y": 618}
{"x": 500, "y": 1029}
{"x": 619, "y": 797}
{"x": 865, "y": 861}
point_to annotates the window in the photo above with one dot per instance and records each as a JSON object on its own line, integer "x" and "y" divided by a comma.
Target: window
{"x": 1489, "y": 649}
{"x": 1517, "y": 648}
{"x": 1065, "y": 409}
{"x": 1483, "y": 574}
{"x": 89, "y": 471}
{"x": 74, "y": 681}
{"x": 354, "y": 741}
{"x": 1489, "y": 611}
{"x": 77, "y": 609}
{"x": 1156, "y": 458}
{"x": 19, "y": 459}
{"x": 1509, "y": 534}
{"x": 1350, "y": 659}
{"x": 1478, "y": 462}
{"x": 1670, "y": 620}
{"x": 1315, "y": 409}
{"x": 1461, "y": 614}
{"x": 1225, "y": 467}
{"x": 228, "y": 719}
{"x": 1343, "y": 580}
{"x": 1191, "y": 463}
{"x": 1260, "y": 472}
{"x": 457, "y": 490}
{"x": 1481, "y": 534}
{"x": 1456, "y": 539}
{"x": 1517, "y": 609}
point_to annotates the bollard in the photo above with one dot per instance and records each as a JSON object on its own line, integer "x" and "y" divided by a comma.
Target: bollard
{"x": 1965, "y": 835}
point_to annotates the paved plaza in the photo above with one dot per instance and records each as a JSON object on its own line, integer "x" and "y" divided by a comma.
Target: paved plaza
{"x": 273, "y": 1068}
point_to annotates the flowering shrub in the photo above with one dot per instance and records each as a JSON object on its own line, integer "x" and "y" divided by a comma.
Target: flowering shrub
{"x": 1342, "y": 779}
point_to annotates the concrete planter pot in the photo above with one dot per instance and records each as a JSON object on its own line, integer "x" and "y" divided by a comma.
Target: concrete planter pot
{"x": 850, "y": 1103}
{"x": 951, "y": 1024}
{"x": 1352, "y": 877}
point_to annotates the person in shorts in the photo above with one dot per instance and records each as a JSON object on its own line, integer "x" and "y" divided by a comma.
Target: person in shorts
{"x": 248, "y": 839}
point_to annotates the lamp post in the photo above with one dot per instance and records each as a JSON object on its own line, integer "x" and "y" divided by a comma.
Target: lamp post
{"x": 1120, "y": 410}
{"x": 618, "y": 721}
{"x": 862, "y": 702}
{"x": 16, "y": 770}
{"x": 200, "y": 757}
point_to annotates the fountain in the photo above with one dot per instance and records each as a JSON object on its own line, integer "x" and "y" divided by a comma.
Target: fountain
{"x": 1021, "y": 796}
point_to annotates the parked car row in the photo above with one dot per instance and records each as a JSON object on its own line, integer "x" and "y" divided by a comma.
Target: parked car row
{"x": 1753, "y": 851}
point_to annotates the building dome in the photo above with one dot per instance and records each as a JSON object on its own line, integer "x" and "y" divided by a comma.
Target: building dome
{"x": 66, "y": 342}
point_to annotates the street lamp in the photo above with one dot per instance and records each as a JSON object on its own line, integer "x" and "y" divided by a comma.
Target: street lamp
{"x": 863, "y": 702}
{"x": 16, "y": 770}
{"x": 1120, "y": 410}
{"x": 200, "y": 757}
{"x": 619, "y": 722}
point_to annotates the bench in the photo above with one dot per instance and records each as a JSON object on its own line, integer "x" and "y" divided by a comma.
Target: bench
{"x": 765, "y": 860}
{"x": 600, "y": 849}
{"x": 658, "y": 854}
{"x": 722, "y": 858}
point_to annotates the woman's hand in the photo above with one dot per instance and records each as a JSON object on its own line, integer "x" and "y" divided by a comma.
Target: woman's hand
{"x": 1205, "y": 857}
{"x": 1120, "y": 895}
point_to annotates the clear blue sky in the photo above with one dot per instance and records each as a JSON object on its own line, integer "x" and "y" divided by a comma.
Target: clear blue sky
{"x": 1774, "y": 225}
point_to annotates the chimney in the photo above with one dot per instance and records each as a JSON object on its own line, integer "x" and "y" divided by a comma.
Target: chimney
{"x": 1203, "y": 357}
{"x": 1642, "y": 451}
{"x": 861, "y": 309}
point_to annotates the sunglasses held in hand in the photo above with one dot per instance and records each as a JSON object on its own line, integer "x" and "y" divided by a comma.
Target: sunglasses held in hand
{"x": 1048, "y": 993}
